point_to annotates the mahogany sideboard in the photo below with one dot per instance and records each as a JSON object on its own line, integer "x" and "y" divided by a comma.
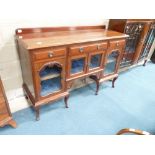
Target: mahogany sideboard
{"x": 5, "y": 114}
{"x": 52, "y": 58}
{"x": 141, "y": 36}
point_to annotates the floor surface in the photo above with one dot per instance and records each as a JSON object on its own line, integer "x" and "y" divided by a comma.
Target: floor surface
{"x": 131, "y": 104}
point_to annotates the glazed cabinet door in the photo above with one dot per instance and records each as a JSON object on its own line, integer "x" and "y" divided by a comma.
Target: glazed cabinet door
{"x": 77, "y": 65}
{"x": 95, "y": 61}
{"x": 77, "y": 61}
{"x": 95, "y": 58}
{"x": 113, "y": 57}
{"x": 134, "y": 30}
{"x": 49, "y": 77}
{"x": 111, "y": 62}
{"x": 148, "y": 42}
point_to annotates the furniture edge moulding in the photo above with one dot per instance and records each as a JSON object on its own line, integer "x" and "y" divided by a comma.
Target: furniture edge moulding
{"x": 20, "y": 31}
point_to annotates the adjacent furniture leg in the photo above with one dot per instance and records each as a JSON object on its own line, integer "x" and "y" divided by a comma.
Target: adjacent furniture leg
{"x": 37, "y": 109}
{"x": 12, "y": 123}
{"x": 66, "y": 101}
{"x": 94, "y": 77}
{"x": 113, "y": 82}
{"x": 145, "y": 63}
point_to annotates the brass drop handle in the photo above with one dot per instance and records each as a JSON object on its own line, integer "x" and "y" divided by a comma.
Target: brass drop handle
{"x": 50, "y": 54}
{"x": 98, "y": 47}
{"x": 81, "y": 49}
{"x": 117, "y": 44}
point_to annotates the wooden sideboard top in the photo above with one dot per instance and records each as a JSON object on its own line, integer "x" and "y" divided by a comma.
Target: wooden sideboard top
{"x": 36, "y": 38}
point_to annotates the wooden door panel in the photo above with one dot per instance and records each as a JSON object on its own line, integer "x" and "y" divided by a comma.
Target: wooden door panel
{"x": 49, "y": 77}
{"x": 77, "y": 65}
{"x": 95, "y": 61}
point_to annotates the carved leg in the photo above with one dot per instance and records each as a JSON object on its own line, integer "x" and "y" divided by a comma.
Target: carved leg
{"x": 37, "y": 109}
{"x": 113, "y": 82}
{"x": 66, "y": 101}
{"x": 145, "y": 63}
{"x": 97, "y": 87}
{"x": 12, "y": 123}
{"x": 94, "y": 77}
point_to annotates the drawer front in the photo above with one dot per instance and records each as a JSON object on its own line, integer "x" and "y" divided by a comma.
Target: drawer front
{"x": 80, "y": 49}
{"x": 116, "y": 44}
{"x": 49, "y": 53}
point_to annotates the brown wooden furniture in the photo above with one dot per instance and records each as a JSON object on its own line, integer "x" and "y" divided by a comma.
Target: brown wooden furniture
{"x": 132, "y": 131}
{"x": 141, "y": 35}
{"x": 5, "y": 114}
{"x": 52, "y": 58}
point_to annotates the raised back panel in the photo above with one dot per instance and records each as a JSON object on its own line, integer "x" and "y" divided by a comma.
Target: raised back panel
{"x": 20, "y": 31}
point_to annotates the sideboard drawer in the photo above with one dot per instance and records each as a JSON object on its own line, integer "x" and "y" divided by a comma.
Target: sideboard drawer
{"x": 49, "y": 53}
{"x": 75, "y": 50}
{"x": 116, "y": 44}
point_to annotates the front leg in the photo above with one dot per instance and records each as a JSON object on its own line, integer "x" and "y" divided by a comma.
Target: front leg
{"x": 96, "y": 79}
{"x": 66, "y": 101}
{"x": 144, "y": 64}
{"x": 37, "y": 109}
{"x": 113, "y": 81}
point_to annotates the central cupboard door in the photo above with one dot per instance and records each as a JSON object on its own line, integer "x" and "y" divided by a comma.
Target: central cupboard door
{"x": 95, "y": 60}
{"x": 77, "y": 65}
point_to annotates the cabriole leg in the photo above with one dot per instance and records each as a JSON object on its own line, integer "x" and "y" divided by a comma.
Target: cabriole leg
{"x": 66, "y": 101}
{"x": 113, "y": 82}
{"x": 145, "y": 63}
{"x": 94, "y": 77}
{"x": 37, "y": 109}
{"x": 97, "y": 87}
